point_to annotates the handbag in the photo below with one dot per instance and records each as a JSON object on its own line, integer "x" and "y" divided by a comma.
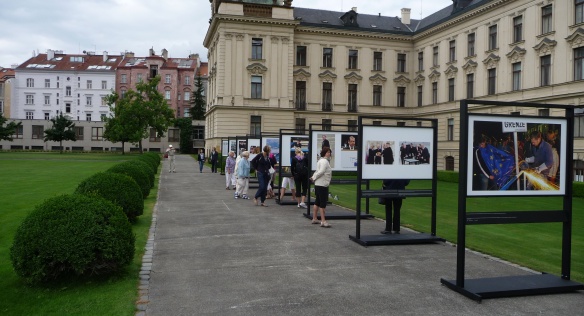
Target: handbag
{"x": 272, "y": 170}
{"x": 381, "y": 201}
{"x": 166, "y": 155}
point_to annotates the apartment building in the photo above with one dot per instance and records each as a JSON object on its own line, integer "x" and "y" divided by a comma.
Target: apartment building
{"x": 275, "y": 66}
{"x": 6, "y": 79}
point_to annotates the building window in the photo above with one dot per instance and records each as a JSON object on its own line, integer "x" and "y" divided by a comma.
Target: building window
{"x": 37, "y": 131}
{"x": 470, "y": 86}
{"x": 30, "y": 83}
{"x": 154, "y": 137}
{"x": 124, "y": 78}
{"x": 352, "y": 125}
{"x": 579, "y": 124}
{"x": 546, "y": 19}
{"x": 300, "y": 95}
{"x": 300, "y": 55}
{"x": 471, "y": 44}
{"x": 186, "y": 112}
{"x": 47, "y": 116}
{"x": 256, "y": 87}
{"x": 29, "y": 115}
{"x": 401, "y": 97}
{"x": 123, "y": 92}
{"x": 300, "y": 125}
{"x": 89, "y": 100}
{"x": 545, "y": 71}
{"x": 579, "y": 63}
{"x": 352, "y": 98}
{"x": 67, "y": 107}
{"x": 543, "y": 112}
{"x": 29, "y": 99}
{"x": 377, "y": 61}
{"x": 420, "y": 61}
{"x": 18, "y": 132}
{"x": 518, "y": 28}
{"x": 451, "y": 89}
{"x": 516, "y": 76}
{"x": 104, "y": 84}
{"x": 88, "y": 117}
{"x": 327, "y": 57}
{"x": 435, "y": 56}
{"x": 449, "y": 163}
{"x": 327, "y": 96}
{"x": 579, "y": 8}
{"x": 153, "y": 71}
{"x": 255, "y": 125}
{"x": 434, "y": 92}
{"x": 167, "y": 79}
{"x": 450, "y": 129}
{"x": 187, "y": 95}
{"x": 377, "y": 94}
{"x": 492, "y": 37}
{"x": 492, "y": 81}
{"x": 376, "y": 123}
{"x": 47, "y": 83}
{"x": 78, "y": 132}
{"x": 187, "y": 80}
{"x": 139, "y": 77}
{"x": 452, "y": 50}
{"x": 401, "y": 124}
{"x": 198, "y": 132}
{"x": 47, "y": 100}
{"x": 326, "y": 124}
{"x": 256, "y": 48}
{"x": 103, "y": 101}
{"x": 353, "y": 58}
{"x": 173, "y": 135}
{"x": 420, "y": 101}
{"x": 68, "y": 91}
{"x": 89, "y": 84}
{"x": 401, "y": 62}
{"x": 167, "y": 94}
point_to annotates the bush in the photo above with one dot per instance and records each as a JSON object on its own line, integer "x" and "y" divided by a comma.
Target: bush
{"x": 148, "y": 169}
{"x": 578, "y": 189}
{"x": 155, "y": 157}
{"x": 152, "y": 165}
{"x": 72, "y": 234}
{"x": 117, "y": 188}
{"x": 135, "y": 172}
{"x": 447, "y": 176}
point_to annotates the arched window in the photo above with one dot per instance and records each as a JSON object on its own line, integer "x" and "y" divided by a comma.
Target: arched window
{"x": 449, "y": 160}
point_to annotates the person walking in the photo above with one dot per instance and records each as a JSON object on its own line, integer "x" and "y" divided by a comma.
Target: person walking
{"x": 214, "y": 160}
{"x": 321, "y": 178}
{"x": 288, "y": 182}
{"x": 261, "y": 163}
{"x": 393, "y": 222}
{"x": 242, "y": 176}
{"x": 201, "y": 159}
{"x": 299, "y": 169}
{"x": 229, "y": 170}
{"x": 239, "y": 157}
{"x": 172, "y": 166}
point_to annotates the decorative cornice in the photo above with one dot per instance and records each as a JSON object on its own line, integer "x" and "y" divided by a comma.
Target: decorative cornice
{"x": 327, "y": 75}
{"x": 434, "y": 76}
{"x": 469, "y": 66}
{"x": 545, "y": 47}
{"x": 401, "y": 81}
{"x": 377, "y": 79}
{"x": 419, "y": 80}
{"x": 491, "y": 61}
{"x": 257, "y": 69}
{"x": 301, "y": 73}
{"x": 577, "y": 38}
{"x": 451, "y": 71}
{"x": 516, "y": 54}
{"x": 353, "y": 77}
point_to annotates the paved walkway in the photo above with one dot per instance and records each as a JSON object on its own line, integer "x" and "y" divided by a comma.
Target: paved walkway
{"x": 214, "y": 255}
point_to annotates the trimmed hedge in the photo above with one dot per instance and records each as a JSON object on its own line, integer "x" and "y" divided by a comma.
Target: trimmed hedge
{"x": 72, "y": 234}
{"x": 117, "y": 188}
{"x": 447, "y": 176}
{"x": 154, "y": 156}
{"x": 136, "y": 172}
{"x": 152, "y": 165}
{"x": 578, "y": 189}
{"x": 148, "y": 169}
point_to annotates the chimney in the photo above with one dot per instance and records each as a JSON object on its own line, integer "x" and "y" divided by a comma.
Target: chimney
{"x": 50, "y": 54}
{"x": 164, "y": 53}
{"x": 13, "y": 66}
{"x": 105, "y": 56}
{"x": 151, "y": 52}
{"x": 129, "y": 55}
{"x": 354, "y": 9}
{"x": 405, "y": 13}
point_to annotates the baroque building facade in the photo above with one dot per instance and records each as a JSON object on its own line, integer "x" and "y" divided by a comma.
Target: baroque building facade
{"x": 274, "y": 66}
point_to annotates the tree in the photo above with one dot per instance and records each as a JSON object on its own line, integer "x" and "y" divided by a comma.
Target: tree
{"x": 7, "y": 131}
{"x": 198, "y": 102}
{"x": 120, "y": 127}
{"x": 62, "y": 130}
{"x": 139, "y": 110}
{"x": 185, "y": 125}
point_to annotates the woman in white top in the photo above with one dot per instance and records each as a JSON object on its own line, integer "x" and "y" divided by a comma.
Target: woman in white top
{"x": 321, "y": 178}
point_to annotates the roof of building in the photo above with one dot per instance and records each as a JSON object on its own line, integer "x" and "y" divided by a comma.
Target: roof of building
{"x": 6, "y": 73}
{"x": 71, "y": 62}
{"x": 203, "y": 69}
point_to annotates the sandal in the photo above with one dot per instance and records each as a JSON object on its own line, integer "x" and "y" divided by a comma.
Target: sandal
{"x": 263, "y": 204}
{"x": 315, "y": 222}
{"x": 325, "y": 225}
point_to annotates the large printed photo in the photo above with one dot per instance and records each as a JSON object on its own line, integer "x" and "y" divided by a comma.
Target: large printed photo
{"x": 516, "y": 156}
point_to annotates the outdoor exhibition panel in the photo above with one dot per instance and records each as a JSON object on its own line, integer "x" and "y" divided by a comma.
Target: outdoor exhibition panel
{"x": 518, "y": 157}
{"x": 289, "y": 140}
{"x": 342, "y": 143}
{"x": 390, "y": 149}
{"x": 224, "y": 153}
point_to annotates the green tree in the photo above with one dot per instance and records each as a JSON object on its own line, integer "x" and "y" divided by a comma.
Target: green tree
{"x": 7, "y": 131}
{"x": 61, "y": 130}
{"x": 186, "y": 134}
{"x": 120, "y": 126}
{"x": 140, "y": 110}
{"x": 198, "y": 102}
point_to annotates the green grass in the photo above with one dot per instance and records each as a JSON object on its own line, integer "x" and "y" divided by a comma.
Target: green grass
{"x": 537, "y": 246}
{"x": 31, "y": 178}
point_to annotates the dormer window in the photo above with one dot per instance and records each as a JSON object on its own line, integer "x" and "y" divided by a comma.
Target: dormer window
{"x": 350, "y": 19}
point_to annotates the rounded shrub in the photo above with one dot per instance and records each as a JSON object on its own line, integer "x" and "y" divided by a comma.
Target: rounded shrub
{"x": 155, "y": 157}
{"x": 117, "y": 188}
{"x": 150, "y": 162}
{"x": 147, "y": 168}
{"x": 72, "y": 234}
{"x": 135, "y": 172}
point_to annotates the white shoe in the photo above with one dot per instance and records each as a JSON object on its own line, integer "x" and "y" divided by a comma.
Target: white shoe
{"x": 302, "y": 205}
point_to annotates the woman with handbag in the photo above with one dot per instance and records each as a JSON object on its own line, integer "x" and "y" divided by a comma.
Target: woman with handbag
{"x": 262, "y": 164}
{"x": 322, "y": 178}
{"x": 393, "y": 203}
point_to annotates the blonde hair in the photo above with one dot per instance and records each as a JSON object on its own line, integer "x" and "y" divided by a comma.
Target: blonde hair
{"x": 245, "y": 154}
{"x": 299, "y": 151}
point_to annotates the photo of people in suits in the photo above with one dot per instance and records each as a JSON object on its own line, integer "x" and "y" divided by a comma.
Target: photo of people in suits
{"x": 379, "y": 152}
{"x": 414, "y": 153}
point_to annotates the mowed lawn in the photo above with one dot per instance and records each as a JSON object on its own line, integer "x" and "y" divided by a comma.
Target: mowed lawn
{"x": 537, "y": 246}
{"x": 31, "y": 178}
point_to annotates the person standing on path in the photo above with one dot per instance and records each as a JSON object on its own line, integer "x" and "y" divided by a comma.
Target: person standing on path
{"x": 243, "y": 176}
{"x": 299, "y": 169}
{"x": 393, "y": 223}
{"x": 171, "y": 151}
{"x": 214, "y": 160}
{"x": 262, "y": 164}
{"x": 229, "y": 170}
{"x": 201, "y": 159}
{"x": 322, "y": 178}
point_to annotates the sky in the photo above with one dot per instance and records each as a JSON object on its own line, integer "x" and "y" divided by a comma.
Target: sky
{"x": 116, "y": 26}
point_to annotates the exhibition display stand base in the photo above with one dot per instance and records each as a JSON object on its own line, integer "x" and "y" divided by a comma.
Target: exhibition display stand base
{"x": 338, "y": 213}
{"x": 395, "y": 239}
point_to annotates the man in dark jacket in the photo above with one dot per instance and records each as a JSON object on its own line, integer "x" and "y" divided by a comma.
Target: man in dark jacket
{"x": 387, "y": 154}
{"x": 214, "y": 159}
{"x": 393, "y": 222}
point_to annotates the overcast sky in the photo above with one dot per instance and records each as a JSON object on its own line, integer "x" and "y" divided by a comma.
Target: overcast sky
{"x": 137, "y": 25}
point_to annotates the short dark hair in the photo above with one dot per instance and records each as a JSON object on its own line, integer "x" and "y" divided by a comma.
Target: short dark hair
{"x": 324, "y": 151}
{"x": 267, "y": 149}
{"x": 535, "y": 134}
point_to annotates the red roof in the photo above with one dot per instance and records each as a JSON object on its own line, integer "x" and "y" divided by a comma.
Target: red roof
{"x": 72, "y": 62}
{"x": 6, "y": 73}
